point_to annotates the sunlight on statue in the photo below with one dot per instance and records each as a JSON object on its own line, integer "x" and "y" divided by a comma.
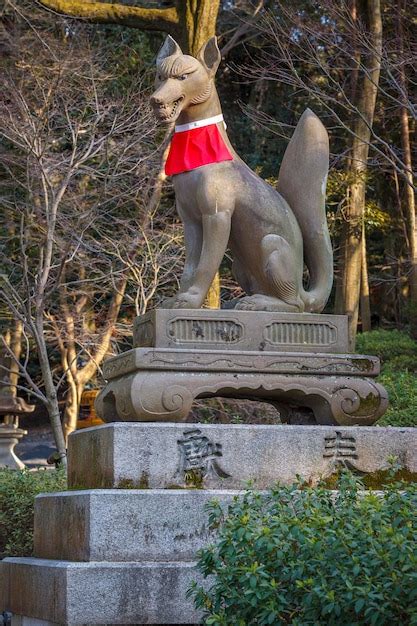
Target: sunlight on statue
{"x": 223, "y": 204}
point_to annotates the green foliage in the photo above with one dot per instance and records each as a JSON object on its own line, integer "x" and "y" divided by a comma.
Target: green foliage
{"x": 388, "y": 345}
{"x": 17, "y": 496}
{"x": 310, "y": 556}
{"x": 398, "y": 354}
{"x": 402, "y": 391}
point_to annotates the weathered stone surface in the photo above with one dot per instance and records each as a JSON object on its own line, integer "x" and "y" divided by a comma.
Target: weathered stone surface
{"x": 167, "y": 396}
{"x": 293, "y": 361}
{"x": 160, "y": 456}
{"x": 241, "y": 330}
{"x": 240, "y": 361}
{"x": 75, "y": 594}
{"x": 124, "y": 524}
{"x": 22, "y": 620}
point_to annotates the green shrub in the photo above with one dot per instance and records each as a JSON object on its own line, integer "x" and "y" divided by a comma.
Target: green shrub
{"x": 402, "y": 392}
{"x": 398, "y": 354}
{"x": 17, "y": 495}
{"x": 310, "y": 556}
{"x": 388, "y": 345}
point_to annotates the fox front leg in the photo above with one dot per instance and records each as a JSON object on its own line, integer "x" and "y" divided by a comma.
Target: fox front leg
{"x": 193, "y": 239}
{"x": 215, "y": 231}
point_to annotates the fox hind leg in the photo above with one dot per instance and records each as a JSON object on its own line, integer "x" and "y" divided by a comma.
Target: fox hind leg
{"x": 282, "y": 284}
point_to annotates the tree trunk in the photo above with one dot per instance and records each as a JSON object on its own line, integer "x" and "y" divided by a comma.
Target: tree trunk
{"x": 72, "y": 409}
{"x": 365, "y": 304}
{"x": 213, "y": 295}
{"x": 9, "y": 372}
{"x": 50, "y": 391}
{"x": 409, "y": 191}
{"x": 79, "y": 377}
{"x": 191, "y": 22}
{"x": 351, "y": 248}
{"x": 16, "y": 348}
{"x": 197, "y": 23}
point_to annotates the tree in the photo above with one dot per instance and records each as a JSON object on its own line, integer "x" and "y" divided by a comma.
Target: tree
{"x": 410, "y": 202}
{"x": 364, "y": 99}
{"x": 190, "y": 22}
{"x": 77, "y": 159}
{"x": 330, "y": 55}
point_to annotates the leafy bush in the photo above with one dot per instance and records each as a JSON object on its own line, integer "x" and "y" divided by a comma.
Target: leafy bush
{"x": 17, "y": 496}
{"x": 389, "y": 345}
{"x": 313, "y": 556}
{"x": 402, "y": 392}
{"x": 398, "y": 354}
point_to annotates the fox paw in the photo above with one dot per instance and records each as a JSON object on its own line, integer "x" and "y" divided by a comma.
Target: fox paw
{"x": 259, "y": 302}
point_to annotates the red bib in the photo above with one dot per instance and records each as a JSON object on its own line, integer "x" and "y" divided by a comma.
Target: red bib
{"x": 196, "y": 147}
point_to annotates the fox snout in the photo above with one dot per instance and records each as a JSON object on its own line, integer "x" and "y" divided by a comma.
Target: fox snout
{"x": 166, "y": 103}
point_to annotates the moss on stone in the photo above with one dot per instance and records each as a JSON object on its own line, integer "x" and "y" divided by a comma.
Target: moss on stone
{"x": 194, "y": 479}
{"x": 374, "y": 480}
{"x": 129, "y": 483}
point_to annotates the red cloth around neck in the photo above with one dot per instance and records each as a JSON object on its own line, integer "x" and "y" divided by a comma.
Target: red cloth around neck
{"x": 193, "y": 148}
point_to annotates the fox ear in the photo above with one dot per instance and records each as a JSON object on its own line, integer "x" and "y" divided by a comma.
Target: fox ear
{"x": 209, "y": 55}
{"x": 168, "y": 48}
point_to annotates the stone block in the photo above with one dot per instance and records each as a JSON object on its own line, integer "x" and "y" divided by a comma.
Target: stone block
{"x": 167, "y": 359}
{"x": 76, "y": 594}
{"x": 241, "y": 330}
{"x": 163, "y": 455}
{"x": 124, "y": 524}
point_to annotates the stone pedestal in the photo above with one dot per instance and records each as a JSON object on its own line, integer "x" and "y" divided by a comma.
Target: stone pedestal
{"x": 119, "y": 547}
{"x": 228, "y": 456}
{"x": 9, "y": 438}
{"x": 297, "y": 362}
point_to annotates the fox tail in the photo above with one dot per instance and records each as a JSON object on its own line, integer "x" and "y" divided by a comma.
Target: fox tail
{"x": 302, "y": 182}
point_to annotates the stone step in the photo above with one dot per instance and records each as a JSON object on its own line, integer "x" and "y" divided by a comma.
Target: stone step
{"x": 124, "y": 525}
{"x": 75, "y": 594}
{"x": 228, "y": 456}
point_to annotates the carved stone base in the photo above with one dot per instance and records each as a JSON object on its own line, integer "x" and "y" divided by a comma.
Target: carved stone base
{"x": 161, "y": 385}
{"x": 289, "y": 360}
{"x": 210, "y": 329}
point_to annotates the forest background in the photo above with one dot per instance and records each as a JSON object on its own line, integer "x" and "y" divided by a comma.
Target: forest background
{"x": 89, "y": 233}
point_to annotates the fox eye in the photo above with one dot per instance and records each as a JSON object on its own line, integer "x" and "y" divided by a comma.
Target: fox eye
{"x": 183, "y": 77}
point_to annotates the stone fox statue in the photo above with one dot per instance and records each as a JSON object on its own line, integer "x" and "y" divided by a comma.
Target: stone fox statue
{"x": 223, "y": 203}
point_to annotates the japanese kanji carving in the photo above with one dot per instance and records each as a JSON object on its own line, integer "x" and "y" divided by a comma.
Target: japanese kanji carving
{"x": 198, "y": 453}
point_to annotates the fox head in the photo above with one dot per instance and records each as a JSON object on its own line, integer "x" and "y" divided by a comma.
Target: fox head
{"x": 183, "y": 81}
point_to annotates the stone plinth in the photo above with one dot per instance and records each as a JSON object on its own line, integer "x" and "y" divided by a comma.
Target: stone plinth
{"x": 127, "y": 555}
{"x": 76, "y": 594}
{"x": 203, "y": 329}
{"x": 124, "y": 525}
{"x": 297, "y": 362}
{"x": 166, "y": 456}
